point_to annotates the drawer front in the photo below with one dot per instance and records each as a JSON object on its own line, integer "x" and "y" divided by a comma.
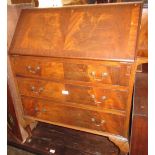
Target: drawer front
{"x": 113, "y": 73}
{"x": 41, "y": 89}
{"x": 96, "y": 97}
{"x": 37, "y": 67}
{"x": 57, "y": 113}
{"x": 106, "y": 73}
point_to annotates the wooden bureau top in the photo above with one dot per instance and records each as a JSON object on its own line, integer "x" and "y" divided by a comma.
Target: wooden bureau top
{"x": 105, "y": 32}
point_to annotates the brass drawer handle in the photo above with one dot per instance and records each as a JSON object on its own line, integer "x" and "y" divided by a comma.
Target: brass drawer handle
{"x": 36, "y": 109}
{"x": 95, "y": 100}
{"x": 103, "y": 74}
{"x": 33, "y": 70}
{"x": 97, "y": 123}
{"x": 98, "y": 102}
{"x": 104, "y": 98}
{"x": 34, "y": 90}
{"x": 44, "y": 110}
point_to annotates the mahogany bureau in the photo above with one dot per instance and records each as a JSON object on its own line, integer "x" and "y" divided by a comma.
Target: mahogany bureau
{"x": 75, "y": 66}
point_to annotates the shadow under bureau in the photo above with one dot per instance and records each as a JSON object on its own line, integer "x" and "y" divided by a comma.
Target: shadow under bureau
{"x": 74, "y": 67}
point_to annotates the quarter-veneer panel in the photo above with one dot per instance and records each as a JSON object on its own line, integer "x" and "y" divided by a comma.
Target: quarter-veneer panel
{"x": 97, "y": 97}
{"x": 55, "y": 113}
{"x": 105, "y": 32}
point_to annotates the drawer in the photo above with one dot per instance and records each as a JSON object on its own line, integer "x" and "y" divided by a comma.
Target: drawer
{"x": 76, "y": 94}
{"x": 113, "y": 73}
{"x": 37, "y": 67}
{"x": 77, "y": 117}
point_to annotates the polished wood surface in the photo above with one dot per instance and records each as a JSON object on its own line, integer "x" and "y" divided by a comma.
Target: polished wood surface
{"x": 102, "y": 72}
{"x": 143, "y": 36}
{"x": 78, "y": 34}
{"x": 40, "y": 88}
{"x": 55, "y": 113}
{"x": 141, "y": 97}
{"x": 12, "y": 18}
{"x": 12, "y": 122}
{"x": 20, "y": 1}
{"x": 38, "y": 67}
{"x": 139, "y": 134}
{"x": 13, "y": 13}
{"x": 106, "y": 1}
{"x": 99, "y": 97}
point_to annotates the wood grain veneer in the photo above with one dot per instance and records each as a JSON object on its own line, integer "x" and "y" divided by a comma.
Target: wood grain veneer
{"x": 143, "y": 36}
{"x": 99, "y": 97}
{"x": 102, "y": 72}
{"x": 52, "y": 112}
{"x": 139, "y": 132}
{"x": 76, "y": 33}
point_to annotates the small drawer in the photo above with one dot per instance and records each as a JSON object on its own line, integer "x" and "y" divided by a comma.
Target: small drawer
{"x": 113, "y": 73}
{"x": 37, "y": 67}
{"x": 56, "y": 113}
{"x": 79, "y": 95}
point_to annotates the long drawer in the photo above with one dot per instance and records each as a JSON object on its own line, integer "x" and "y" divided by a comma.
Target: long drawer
{"x": 103, "y": 72}
{"x": 56, "y": 113}
{"x": 75, "y": 94}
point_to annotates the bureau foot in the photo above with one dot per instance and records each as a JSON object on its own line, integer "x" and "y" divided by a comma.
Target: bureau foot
{"x": 29, "y": 131}
{"x": 30, "y": 125}
{"x": 122, "y": 143}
